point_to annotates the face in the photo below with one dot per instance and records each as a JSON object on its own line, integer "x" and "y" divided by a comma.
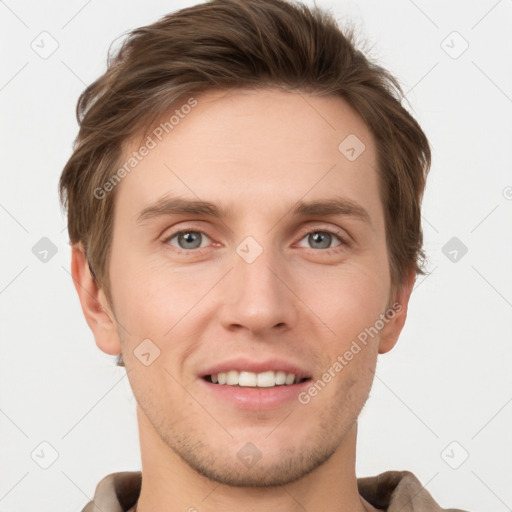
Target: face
{"x": 282, "y": 271}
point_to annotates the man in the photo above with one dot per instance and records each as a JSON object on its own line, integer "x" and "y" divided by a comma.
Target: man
{"x": 244, "y": 212}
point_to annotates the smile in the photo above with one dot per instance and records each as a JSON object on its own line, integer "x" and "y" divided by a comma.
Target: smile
{"x": 266, "y": 379}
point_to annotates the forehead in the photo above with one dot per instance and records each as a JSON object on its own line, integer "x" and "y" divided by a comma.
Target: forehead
{"x": 242, "y": 146}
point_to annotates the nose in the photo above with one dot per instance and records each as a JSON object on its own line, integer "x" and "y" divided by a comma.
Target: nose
{"x": 258, "y": 296}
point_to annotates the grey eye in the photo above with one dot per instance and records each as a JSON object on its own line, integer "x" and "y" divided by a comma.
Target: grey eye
{"x": 188, "y": 239}
{"x": 321, "y": 238}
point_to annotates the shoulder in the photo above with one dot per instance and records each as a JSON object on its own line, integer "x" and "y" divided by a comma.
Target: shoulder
{"x": 398, "y": 490}
{"x": 116, "y": 492}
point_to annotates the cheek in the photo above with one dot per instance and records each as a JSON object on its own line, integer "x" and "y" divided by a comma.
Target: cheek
{"x": 155, "y": 302}
{"x": 144, "y": 294}
{"x": 347, "y": 300}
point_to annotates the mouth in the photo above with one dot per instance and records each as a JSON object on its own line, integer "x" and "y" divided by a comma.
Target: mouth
{"x": 263, "y": 391}
{"x": 247, "y": 379}
{"x": 255, "y": 385}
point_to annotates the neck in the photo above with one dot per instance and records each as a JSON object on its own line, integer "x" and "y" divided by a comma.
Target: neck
{"x": 170, "y": 483}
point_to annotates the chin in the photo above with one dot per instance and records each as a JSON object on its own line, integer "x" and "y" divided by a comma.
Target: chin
{"x": 260, "y": 464}
{"x": 261, "y": 473}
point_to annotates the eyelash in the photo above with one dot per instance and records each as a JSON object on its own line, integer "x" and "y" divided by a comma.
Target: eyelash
{"x": 199, "y": 250}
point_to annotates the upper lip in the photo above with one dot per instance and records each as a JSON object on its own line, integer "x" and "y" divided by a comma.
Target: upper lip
{"x": 250, "y": 365}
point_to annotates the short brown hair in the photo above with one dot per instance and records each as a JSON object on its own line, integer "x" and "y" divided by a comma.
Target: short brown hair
{"x": 233, "y": 44}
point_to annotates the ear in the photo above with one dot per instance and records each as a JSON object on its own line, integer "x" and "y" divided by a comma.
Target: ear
{"x": 392, "y": 329}
{"x": 98, "y": 315}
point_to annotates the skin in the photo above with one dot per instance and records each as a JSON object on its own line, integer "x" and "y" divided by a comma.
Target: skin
{"x": 257, "y": 152}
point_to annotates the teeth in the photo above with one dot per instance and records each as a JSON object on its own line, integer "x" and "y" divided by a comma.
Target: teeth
{"x": 281, "y": 378}
{"x": 247, "y": 379}
{"x": 266, "y": 379}
{"x": 232, "y": 378}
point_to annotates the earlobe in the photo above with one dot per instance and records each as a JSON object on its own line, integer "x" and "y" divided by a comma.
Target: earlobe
{"x": 398, "y": 314}
{"x": 94, "y": 303}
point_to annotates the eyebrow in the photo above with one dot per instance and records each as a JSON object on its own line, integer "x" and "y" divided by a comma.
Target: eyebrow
{"x": 319, "y": 208}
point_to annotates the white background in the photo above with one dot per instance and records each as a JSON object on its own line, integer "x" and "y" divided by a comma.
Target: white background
{"x": 448, "y": 379}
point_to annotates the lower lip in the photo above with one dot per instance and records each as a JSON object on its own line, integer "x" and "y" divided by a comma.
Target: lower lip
{"x": 257, "y": 399}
